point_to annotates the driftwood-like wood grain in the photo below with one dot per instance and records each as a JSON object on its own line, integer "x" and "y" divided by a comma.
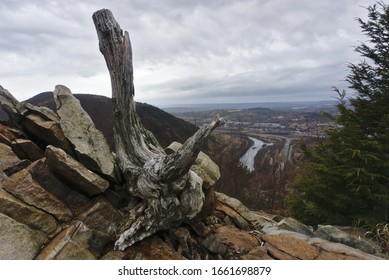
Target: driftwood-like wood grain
{"x": 168, "y": 191}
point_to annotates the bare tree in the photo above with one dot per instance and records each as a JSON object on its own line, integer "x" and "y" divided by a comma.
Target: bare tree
{"x": 168, "y": 191}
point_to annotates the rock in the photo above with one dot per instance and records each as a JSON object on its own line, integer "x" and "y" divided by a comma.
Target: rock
{"x": 26, "y": 149}
{"x": 25, "y": 214}
{"x": 70, "y": 244}
{"x": 17, "y": 167}
{"x": 238, "y": 241}
{"x": 89, "y": 143}
{"x": 46, "y": 131}
{"x": 294, "y": 225}
{"x": 41, "y": 174}
{"x": 258, "y": 253}
{"x": 26, "y": 189}
{"x": 39, "y": 122}
{"x": 7, "y": 134}
{"x": 101, "y": 217}
{"x": 198, "y": 227}
{"x": 204, "y": 167}
{"x": 237, "y": 206}
{"x": 215, "y": 245}
{"x": 238, "y": 220}
{"x": 9, "y": 104}
{"x": 335, "y": 251}
{"x": 334, "y": 234}
{"x": 74, "y": 173}
{"x": 18, "y": 241}
{"x": 152, "y": 248}
{"x": 299, "y": 246}
{"x": 114, "y": 255}
{"x": 8, "y": 157}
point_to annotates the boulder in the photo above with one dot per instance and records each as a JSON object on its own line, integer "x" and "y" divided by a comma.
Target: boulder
{"x": 295, "y": 245}
{"x": 334, "y": 234}
{"x": 74, "y": 173}
{"x": 42, "y": 175}
{"x": 7, "y": 134}
{"x": 18, "y": 241}
{"x": 238, "y": 241}
{"x": 152, "y": 248}
{"x": 204, "y": 167}
{"x": 8, "y": 158}
{"x": 48, "y": 132}
{"x": 208, "y": 171}
{"x": 9, "y": 104}
{"x": 215, "y": 245}
{"x": 70, "y": 244}
{"x": 101, "y": 217}
{"x": 26, "y": 149}
{"x": 26, "y": 189}
{"x": 26, "y": 214}
{"x": 238, "y": 220}
{"x": 39, "y": 122}
{"x": 89, "y": 143}
{"x": 237, "y": 206}
{"x": 294, "y": 225}
{"x": 258, "y": 253}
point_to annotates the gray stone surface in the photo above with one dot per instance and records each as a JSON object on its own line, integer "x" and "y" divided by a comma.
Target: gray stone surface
{"x": 18, "y": 241}
{"x": 89, "y": 143}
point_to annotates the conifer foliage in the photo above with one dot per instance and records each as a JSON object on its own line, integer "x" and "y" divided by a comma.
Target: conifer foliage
{"x": 345, "y": 179}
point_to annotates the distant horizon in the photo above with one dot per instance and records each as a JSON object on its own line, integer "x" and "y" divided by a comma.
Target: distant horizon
{"x": 210, "y": 104}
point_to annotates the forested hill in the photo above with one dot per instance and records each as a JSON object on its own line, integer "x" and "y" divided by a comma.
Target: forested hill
{"x": 166, "y": 127}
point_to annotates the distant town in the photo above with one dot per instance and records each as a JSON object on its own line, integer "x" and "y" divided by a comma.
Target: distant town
{"x": 290, "y": 121}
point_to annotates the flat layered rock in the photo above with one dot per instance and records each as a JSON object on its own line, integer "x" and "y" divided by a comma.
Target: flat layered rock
{"x": 47, "y": 131}
{"x": 299, "y": 246}
{"x": 70, "y": 244}
{"x": 101, "y": 217}
{"x": 74, "y": 173}
{"x": 89, "y": 143}
{"x": 26, "y": 149}
{"x": 26, "y": 189}
{"x": 42, "y": 175}
{"x": 8, "y": 157}
{"x": 18, "y": 241}
{"x": 26, "y": 214}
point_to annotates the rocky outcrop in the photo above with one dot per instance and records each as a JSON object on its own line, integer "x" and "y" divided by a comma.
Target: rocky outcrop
{"x": 53, "y": 207}
{"x": 89, "y": 143}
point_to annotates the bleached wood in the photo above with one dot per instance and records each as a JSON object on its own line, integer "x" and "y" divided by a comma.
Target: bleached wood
{"x": 168, "y": 192}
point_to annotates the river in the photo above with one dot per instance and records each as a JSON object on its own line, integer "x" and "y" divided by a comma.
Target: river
{"x": 247, "y": 159}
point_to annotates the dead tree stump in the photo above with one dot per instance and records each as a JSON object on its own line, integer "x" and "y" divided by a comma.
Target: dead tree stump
{"x": 168, "y": 191}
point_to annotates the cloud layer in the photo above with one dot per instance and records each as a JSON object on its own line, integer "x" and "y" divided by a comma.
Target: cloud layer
{"x": 185, "y": 51}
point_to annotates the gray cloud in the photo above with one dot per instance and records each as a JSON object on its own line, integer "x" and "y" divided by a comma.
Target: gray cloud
{"x": 185, "y": 51}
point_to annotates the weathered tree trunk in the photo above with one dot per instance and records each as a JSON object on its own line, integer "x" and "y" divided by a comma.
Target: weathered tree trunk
{"x": 168, "y": 191}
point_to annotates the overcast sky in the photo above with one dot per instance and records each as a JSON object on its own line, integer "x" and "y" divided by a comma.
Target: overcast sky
{"x": 185, "y": 51}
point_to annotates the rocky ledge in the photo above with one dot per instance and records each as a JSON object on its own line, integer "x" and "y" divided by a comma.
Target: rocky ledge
{"x": 60, "y": 200}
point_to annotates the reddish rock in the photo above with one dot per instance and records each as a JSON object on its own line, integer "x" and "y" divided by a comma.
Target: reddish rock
{"x": 26, "y": 189}
{"x": 26, "y": 149}
{"x": 70, "y": 244}
{"x": 26, "y": 214}
{"x": 42, "y": 175}
{"x": 152, "y": 248}
{"x": 237, "y": 240}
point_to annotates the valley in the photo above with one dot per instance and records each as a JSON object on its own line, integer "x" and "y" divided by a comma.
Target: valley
{"x": 260, "y": 174}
